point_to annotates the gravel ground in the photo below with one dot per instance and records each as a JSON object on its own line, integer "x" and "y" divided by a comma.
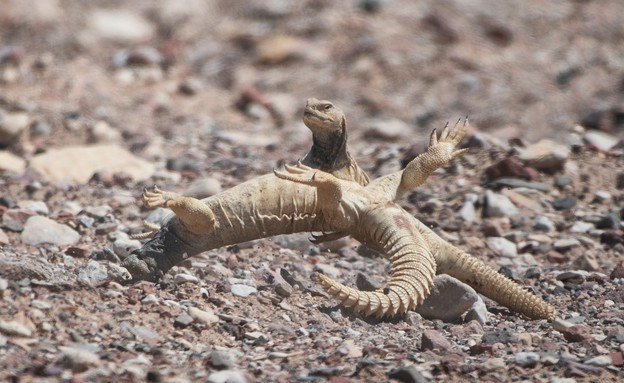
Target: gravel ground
{"x": 100, "y": 99}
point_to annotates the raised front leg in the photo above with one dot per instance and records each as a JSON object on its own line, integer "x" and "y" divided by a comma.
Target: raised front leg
{"x": 192, "y": 213}
{"x": 329, "y": 190}
{"x": 439, "y": 153}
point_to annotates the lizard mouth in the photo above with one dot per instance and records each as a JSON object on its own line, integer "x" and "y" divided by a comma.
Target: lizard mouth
{"x": 315, "y": 114}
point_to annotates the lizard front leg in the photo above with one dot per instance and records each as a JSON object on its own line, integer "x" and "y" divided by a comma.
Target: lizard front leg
{"x": 192, "y": 213}
{"x": 329, "y": 189}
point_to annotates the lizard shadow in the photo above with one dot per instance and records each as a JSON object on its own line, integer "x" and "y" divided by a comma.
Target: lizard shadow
{"x": 352, "y": 316}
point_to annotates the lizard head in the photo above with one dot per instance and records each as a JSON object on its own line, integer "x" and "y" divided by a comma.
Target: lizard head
{"x": 323, "y": 118}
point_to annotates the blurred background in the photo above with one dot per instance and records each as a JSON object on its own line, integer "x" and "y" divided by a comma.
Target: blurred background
{"x": 189, "y": 71}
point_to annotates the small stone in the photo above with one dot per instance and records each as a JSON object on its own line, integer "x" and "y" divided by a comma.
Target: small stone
{"x": 556, "y": 257}
{"x": 498, "y": 205}
{"x": 124, "y": 246}
{"x": 509, "y": 167}
{"x": 78, "y": 359}
{"x": 545, "y": 155}
{"x": 13, "y": 328}
{"x": 574, "y": 277}
{"x": 468, "y": 212}
{"x": 118, "y": 25}
{"x": 543, "y": 223}
{"x": 587, "y": 262}
{"x": 494, "y": 364}
{"x": 527, "y": 359}
{"x": 365, "y": 282}
{"x": 564, "y": 203}
{"x": 609, "y": 221}
{"x": 618, "y": 271}
{"x": 600, "y": 360}
{"x": 207, "y": 318}
{"x": 203, "y": 187}
{"x": 389, "y": 130}
{"x": 566, "y": 244}
{"x": 41, "y": 305}
{"x": 434, "y": 340}
{"x": 562, "y": 181}
{"x": 502, "y": 247}
{"x": 283, "y": 289}
{"x": 600, "y": 140}
{"x": 221, "y": 359}
{"x": 449, "y": 299}
{"x": 577, "y": 333}
{"x": 185, "y": 278}
{"x": 183, "y": 320}
{"x": 478, "y": 312}
{"x": 409, "y": 374}
{"x": 242, "y": 290}
{"x": 10, "y": 163}
{"x": 15, "y": 219}
{"x": 39, "y": 230}
{"x": 582, "y": 227}
{"x": 11, "y": 127}
{"x": 227, "y": 376}
{"x": 93, "y": 273}
{"x": 349, "y": 349}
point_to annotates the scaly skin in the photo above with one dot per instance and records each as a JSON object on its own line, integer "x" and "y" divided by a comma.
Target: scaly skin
{"x": 329, "y": 151}
{"x": 317, "y": 201}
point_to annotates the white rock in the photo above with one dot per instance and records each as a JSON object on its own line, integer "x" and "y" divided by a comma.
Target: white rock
{"x": 11, "y": 127}
{"x": 498, "y": 205}
{"x": 39, "y": 230}
{"x": 545, "y": 155}
{"x": 242, "y": 290}
{"x": 10, "y": 163}
{"x": 14, "y": 328}
{"x": 38, "y": 207}
{"x": 78, "y": 163}
{"x": 119, "y": 25}
{"x": 502, "y": 246}
{"x": 185, "y": 278}
{"x": 581, "y": 227}
{"x": 600, "y": 140}
{"x": 207, "y": 318}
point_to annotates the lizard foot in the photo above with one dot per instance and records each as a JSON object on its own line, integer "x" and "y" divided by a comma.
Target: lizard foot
{"x": 157, "y": 198}
{"x": 326, "y": 237}
{"x": 444, "y": 147}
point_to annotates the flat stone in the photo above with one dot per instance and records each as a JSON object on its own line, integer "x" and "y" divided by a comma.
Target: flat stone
{"x": 543, "y": 223}
{"x": 15, "y": 219}
{"x": 409, "y": 374}
{"x": 449, "y": 299}
{"x": 582, "y": 227}
{"x": 566, "y": 244}
{"x": 498, "y": 205}
{"x": 600, "y": 360}
{"x": 78, "y": 359}
{"x": 503, "y": 247}
{"x": 207, "y": 318}
{"x": 124, "y": 246}
{"x": 564, "y": 203}
{"x": 577, "y": 333}
{"x": 183, "y": 320}
{"x": 182, "y": 278}
{"x": 601, "y": 140}
{"x": 527, "y": 359}
{"x": 434, "y": 340}
{"x": 546, "y": 155}
{"x": 93, "y": 273}
{"x": 227, "y": 376}
{"x": 118, "y": 25}
{"x": 478, "y": 312}
{"x": 10, "y": 163}
{"x": 242, "y": 290}
{"x": 518, "y": 183}
{"x": 587, "y": 262}
{"x": 221, "y": 359}
{"x": 40, "y": 230}
{"x": 77, "y": 164}
{"x": 38, "y": 207}
{"x": 14, "y": 328}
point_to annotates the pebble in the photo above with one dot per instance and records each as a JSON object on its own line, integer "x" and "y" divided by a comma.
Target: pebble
{"x": 10, "y": 163}
{"x": 77, "y": 164}
{"x": 434, "y": 340}
{"x": 600, "y": 360}
{"x": 182, "y": 278}
{"x": 509, "y": 167}
{"x": 14, "y": 328}
{"x": 11, "y": 127}
{"x": 609, "y": 221}
{"x": 573, "y": 276}
{"x": 618, "y": 271}
{"x": 587, "y": 262}
{"x": 183, "y": 320}
{"x": 207, "y": 318}
{"x": 503, "y": 247}
{"x": 40, "y": 230}
{"x": 577, "y": 333}
{"x": 349, "y": 349}
{"x": 545, "y": 155}
{"x": 565, "y": 244}
{"x": 242, "y": 290}
{"x": 498, "y": 205}
{"x": 283, "y": 289}
{"x": 477, "y": 312}
{"x": 15, "y": 219}
{"x": 389, "y": 130}
{"x": 93, "y": 273}
{"x": 543, "y": 223}
{"x": 203, "y": 187}
{"x": 41, "y": 305}
{"x": 78, "y": 359}
{"x": 564, "y": 203}
{"x": 601, "y": 140}
{"x": 517, "y": 183}
{"x": 227, "y": 376}
{"x": 494, "y": 364}
{"x": 527, "y": 359}
{"x": 582, "y": 227}
{"x": 118, "y": 25}
{"x": 468, "y": 212}
{"x": 221, "y": 359}
{"x": 124, "y": 246}
{"x": 449, "y": 299}
{"x": 38, "y": 207}
{"x": 409, "y": 374}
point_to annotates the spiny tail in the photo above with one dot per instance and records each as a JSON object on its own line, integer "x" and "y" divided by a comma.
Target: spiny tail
{"x": 413, "y": 269}
{"x": 493, "y": 285}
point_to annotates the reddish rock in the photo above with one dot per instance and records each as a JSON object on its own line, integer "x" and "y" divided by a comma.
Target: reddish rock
{"x": 508, "y": 167}
{"x": 618, "y": 271}
{"x": 433, "y": 340}
{"x": 556, "y": 257}
{"x": 617, "y": 358}
{"x": 577, "y": 333}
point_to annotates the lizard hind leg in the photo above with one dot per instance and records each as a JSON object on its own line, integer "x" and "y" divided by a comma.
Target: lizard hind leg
{"x": 195, "y": 215}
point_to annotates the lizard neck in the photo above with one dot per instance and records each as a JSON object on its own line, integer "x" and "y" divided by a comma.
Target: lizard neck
{"x": 330, "y": 152}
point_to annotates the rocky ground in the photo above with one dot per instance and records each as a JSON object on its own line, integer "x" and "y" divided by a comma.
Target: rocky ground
{"x": 99, "y": 99}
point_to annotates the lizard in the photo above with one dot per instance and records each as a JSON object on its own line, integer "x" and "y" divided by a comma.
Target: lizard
{"x": 267, "y": 206}
{"x": 329, "y": 151}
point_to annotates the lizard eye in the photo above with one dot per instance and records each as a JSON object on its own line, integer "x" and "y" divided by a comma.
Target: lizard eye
{"x": 327, "y": 106}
